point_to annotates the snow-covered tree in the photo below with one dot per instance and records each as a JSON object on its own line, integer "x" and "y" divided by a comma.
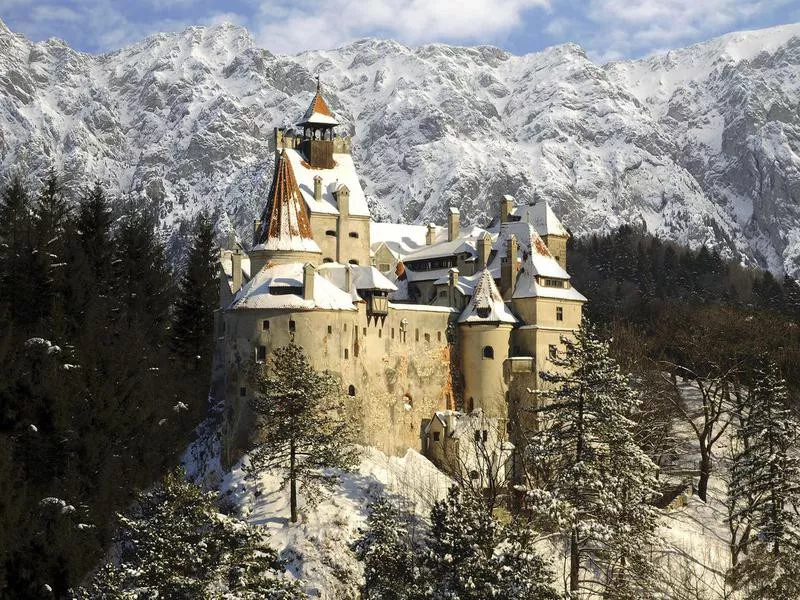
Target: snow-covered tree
{"x": 764, "y": 491}
{"x": 391, "y": 569}
{"x": 303, "y": 429}
{"x": 176, "y": 544}
{"x": 471, "y": 556}
{"x": 590, "y": 480}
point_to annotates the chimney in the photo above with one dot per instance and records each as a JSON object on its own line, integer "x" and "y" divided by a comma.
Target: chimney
{"x": 453, "y": 224}
{"x": 308, "y": 281}
{"x": 318, "y": 188}
{"x": 506, "y": 208}
{"x": 509, "y": 268}
{"x": 452, "y": 282}
{"x": 343, "y": 200}
{"x": 348, "y": 278}
{"x": 429, "y": 237}
{"x": 236, "y": 270}
{"x": 484, "y": 250}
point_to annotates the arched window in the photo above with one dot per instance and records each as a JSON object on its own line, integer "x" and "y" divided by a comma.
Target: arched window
{"x": 351, "y": 391}
{"x": 488, "y": 352}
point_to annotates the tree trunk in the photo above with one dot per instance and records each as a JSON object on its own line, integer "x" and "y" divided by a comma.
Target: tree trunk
{"x": 292, "y": 484}
{"x": 574, "y": 563}
{"x": 705, "y": 473}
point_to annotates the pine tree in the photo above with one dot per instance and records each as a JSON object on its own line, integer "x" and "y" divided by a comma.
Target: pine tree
{"x": 198, "y": 297}
{"x": 592, "y": 481}
{"x": 16, "y": 252}
{"x": 176, "y": 544}
{"x": 765, "y": 491}
{"x": 470, "y": 556}
{"x": 302, "y": 425}
{"x": 391, "y": 571}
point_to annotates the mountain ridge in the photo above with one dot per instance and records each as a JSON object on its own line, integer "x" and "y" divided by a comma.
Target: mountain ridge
{"x": 698, "y": 152}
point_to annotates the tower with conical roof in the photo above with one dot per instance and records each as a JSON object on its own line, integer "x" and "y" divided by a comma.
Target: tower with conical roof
{"x": 284, "y": 232}
{"x": 485, "y": 329}
{"x": 317, "y": 125}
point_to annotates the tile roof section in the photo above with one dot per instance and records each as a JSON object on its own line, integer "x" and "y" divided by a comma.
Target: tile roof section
{"x": 284, "y": 223}
{"x": 318, "y": 112}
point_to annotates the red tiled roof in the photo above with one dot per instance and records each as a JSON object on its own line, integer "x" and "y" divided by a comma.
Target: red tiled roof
{"x": 285, "y": 215}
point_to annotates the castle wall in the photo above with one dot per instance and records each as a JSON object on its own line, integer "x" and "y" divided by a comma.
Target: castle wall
{"x": 328, "y": 244}
{"x": 399, "y": 367}
{"x": 353, "y": 248}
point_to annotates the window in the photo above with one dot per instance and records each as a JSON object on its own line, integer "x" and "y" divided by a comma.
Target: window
{"x": 384, "y": 267}
{"x": 485, "y": 435}
{"x": 353, "y": 234}
{"x": 346, "y": 354}
{"x": 380, "y": 333}
{"x": 364, "y": 331}
{"x": 477, "y": 436}
{"x": 330, "y": 329}
{"x": 327, "y": 259}
{"x": 330, "y": 233}
{"x": 559, "y": 313}
{"x": 243, "y": 391}
{"x": 345, "y": 327}
{"x": 351, "y": 391}
{"x": 353, "y": 261}
{"x": 553, "y": 351}
{"x": 392, "y": 333}
{"x": 488, "y": 352}
{"x": 436, "y": 436}
{"x": 261, "y": 353}
{"x": 438, "y": 336}
{"x": 442, "y": 293}
{"x": 427, "y": 337}
{"x": 265, "y": 325}
{"x": 416, "y": 335}
{"x": 292, "y": 325}
{"x": 553, "y": 283}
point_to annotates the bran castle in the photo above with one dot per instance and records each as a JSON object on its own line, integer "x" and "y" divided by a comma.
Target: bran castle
{"x": 424, "y": 326}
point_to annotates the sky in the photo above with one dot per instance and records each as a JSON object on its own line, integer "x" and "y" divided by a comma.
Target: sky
{"x": 606, "y": 29}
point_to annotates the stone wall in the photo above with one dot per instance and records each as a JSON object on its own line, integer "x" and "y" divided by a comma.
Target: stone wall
{"x": 399, "y": 367}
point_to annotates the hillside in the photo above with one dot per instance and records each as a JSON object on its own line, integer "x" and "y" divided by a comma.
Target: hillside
{"x": 700, "y": 145}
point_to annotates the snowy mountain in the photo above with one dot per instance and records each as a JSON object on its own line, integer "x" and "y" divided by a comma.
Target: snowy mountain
{"x": 700, "y": 145}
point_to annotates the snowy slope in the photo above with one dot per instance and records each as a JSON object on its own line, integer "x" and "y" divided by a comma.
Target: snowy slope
{"x": 699, "y": 145}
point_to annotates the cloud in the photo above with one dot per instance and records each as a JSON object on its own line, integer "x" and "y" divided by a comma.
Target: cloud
{"x": 304, "y": 24}
{"x": 612, "y": 29}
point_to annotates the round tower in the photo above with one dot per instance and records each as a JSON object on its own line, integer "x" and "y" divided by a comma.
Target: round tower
{"x": 484, "y": 332}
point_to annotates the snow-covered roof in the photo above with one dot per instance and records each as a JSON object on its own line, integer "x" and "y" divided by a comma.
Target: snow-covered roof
{"x": 402, "y": 239}
{"x": 531, "y": 247}
{"x": 528, "y": 287}
{"x": 363, "y": 277}
{"x": 465, "y": 283}
{"x": 256, "y": 293}
{"x": 542, "y": 217}
{"x": 318, "y": 112}
{"x": 284, "y": 222}
{"x": 344, "y": 173}
{"x": 486, "y": 305}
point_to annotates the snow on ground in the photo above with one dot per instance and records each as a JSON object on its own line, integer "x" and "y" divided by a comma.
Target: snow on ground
{"x": 317, "y": 549}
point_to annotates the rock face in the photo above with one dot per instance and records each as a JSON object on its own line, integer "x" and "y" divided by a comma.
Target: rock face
{"x": 700, "y": 145}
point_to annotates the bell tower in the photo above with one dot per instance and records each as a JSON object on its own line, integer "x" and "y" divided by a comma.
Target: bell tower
{"x": 317, "y": 126}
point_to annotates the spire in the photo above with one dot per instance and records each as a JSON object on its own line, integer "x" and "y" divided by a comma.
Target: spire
{"x": 486, "y": 305}
{"x": 284, "y": 223}
{"x": 318, "y": 113}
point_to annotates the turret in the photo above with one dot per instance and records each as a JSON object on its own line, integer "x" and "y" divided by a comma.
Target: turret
{"x": 506, "y": 208}
{"x": 484, "y": 250}
{"x": 317, "y": 125}
{"x": 484, "y": 330}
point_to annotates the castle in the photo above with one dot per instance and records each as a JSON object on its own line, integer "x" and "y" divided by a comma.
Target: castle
{"x": 424, "y": 326}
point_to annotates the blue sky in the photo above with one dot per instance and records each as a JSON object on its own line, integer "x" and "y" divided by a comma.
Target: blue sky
{"x": 607, "y": 29}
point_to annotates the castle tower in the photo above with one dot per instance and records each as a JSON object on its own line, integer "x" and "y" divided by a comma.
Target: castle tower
{"x": 485, "y": 329}
{"x": 284, "y": 231}
{"x": 552, "y": 232}
{"x": 317, "y": 125}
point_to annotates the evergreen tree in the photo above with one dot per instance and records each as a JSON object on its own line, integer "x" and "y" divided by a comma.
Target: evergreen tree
{"x": 177, "y": 545}
{"x": 198, "y": 297}
{"x": 470, "y": 556}
{"x": 765, "y": 492}
{"x": 391, "y": 571}
{"x": 302, "y": 425}
{"x": 16, "y": 253}
{"x": 592, "y": 481}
